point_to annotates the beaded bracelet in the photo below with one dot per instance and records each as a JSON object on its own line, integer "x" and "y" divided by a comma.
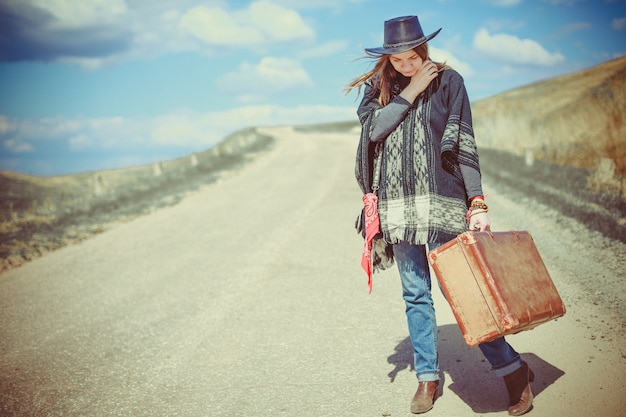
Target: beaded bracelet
{"x": 477, "y": 206}
{"x": 472, "y": 212}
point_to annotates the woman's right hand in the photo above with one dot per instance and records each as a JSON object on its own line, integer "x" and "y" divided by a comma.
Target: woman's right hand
{"x": 420, "y": 81}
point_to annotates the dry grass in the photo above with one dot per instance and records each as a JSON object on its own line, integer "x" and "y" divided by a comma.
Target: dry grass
{"x": 572, "y": 120}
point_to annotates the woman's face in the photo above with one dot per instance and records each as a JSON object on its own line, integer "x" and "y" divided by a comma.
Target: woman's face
{"x": 406, "y": 63}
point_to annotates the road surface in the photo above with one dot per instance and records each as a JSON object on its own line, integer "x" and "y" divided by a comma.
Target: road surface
{"x": 247, "y": 299}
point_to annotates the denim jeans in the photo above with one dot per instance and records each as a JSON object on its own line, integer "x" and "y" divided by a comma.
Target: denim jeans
{"x": 420, "y": 312}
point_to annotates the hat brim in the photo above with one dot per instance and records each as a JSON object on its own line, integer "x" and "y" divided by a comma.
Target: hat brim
{"x": 404, "y": 47}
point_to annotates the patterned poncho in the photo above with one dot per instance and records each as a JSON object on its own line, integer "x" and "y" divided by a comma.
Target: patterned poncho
{"x": 422, "y": 195}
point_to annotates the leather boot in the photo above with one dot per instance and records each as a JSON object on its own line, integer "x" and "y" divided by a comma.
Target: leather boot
{"x": 518, "y": 385}
{"x": 425, "y": 396}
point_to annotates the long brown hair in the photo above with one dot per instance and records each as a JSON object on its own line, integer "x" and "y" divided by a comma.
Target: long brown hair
{"x": 383, "y": 75}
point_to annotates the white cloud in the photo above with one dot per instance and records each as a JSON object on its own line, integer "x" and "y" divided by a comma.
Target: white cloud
{"x": 183, "y": 129}
{"x": 17, "y": 146}
{"x": 563, "y": 2}
{"x": 619, "y": 24}
{"x": 215, "y": 27}
{"x": 279, "y": 23}
{"x": 325, "y": 49}
{"x": 308, "y": 4}
{"x": 269, "y": 77}
{"x": 505, "y": 3}
{"x": 513, "y": 50}
{"x": 202, "y": 130}
{"x": 78, "y": 142}
{"x": 442, "y": 55}
{"x": 283, "y": 70}
{"x": 5, "y": 125}
{"x": 261, "y": 22}
{"x": 90, "y": 64}
{"x": 44, "y": 129}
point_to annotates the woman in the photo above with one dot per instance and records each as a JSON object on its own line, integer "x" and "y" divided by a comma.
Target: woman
{"x": 417, "y": 113}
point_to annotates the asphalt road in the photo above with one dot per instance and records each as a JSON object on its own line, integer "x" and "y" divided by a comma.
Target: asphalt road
{"x": 247, "y": 299}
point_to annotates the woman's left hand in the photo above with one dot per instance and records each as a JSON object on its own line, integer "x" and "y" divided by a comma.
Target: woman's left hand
{"x": 479, "y": 222}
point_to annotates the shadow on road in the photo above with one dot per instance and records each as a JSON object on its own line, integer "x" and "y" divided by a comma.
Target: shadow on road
{"x": 470, "y": 373}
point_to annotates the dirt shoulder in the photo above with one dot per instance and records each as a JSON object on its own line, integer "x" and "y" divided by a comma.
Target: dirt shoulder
{"x": 39, "y": 215}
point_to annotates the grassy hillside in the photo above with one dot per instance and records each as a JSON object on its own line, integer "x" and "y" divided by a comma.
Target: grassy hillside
{"x": 573, "y": 120}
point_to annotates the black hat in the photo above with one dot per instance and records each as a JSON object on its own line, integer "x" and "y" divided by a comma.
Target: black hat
{"x": 401, "y": 34}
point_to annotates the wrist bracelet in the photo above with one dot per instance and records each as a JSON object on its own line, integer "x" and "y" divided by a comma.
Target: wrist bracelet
{"x": 478, "y": 204}
{"x": 476, "y": 210}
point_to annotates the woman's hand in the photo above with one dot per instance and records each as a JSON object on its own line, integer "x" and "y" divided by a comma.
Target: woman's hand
{"x": 479, "y": 222}
{"x": 420, "y": 81}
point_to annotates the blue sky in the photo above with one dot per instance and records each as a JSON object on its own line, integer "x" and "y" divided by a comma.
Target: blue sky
{"x": 98, "y": 84}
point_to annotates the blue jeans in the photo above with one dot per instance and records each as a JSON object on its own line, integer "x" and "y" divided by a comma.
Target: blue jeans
{"x": 420, "y": 313}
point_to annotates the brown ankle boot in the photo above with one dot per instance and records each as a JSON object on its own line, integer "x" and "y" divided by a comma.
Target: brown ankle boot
{"x": 518, "y": 385}
{"x": 425, "y": 396}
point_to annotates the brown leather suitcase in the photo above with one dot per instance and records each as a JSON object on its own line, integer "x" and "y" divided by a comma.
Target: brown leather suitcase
{"x": 496, "y": 284}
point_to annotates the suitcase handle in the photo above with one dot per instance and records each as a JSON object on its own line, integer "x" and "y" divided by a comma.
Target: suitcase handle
{"x": 469, "y": 238}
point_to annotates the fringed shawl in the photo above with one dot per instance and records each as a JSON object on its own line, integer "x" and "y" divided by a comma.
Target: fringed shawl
{"x": 422, "y": 196}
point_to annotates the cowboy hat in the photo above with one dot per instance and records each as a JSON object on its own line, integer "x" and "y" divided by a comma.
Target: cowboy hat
{"x": 401, "y": 34}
